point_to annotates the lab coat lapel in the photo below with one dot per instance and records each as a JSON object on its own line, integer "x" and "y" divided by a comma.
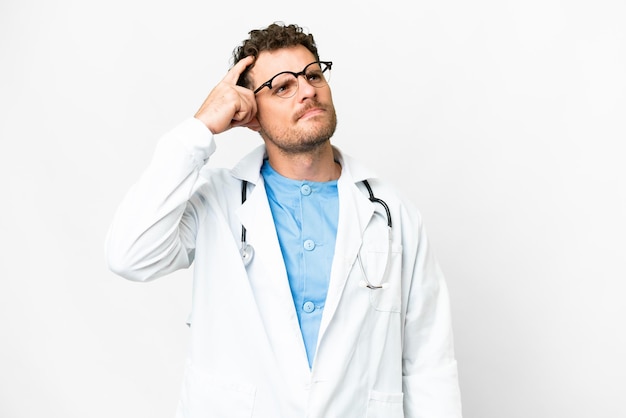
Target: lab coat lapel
{"x": 268, "y": 278}
{"x": 256, "y": 216}
{"x": 355, "y": 212}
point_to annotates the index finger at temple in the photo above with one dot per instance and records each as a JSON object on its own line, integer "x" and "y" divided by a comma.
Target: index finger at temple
{"x": 233, "y": 74}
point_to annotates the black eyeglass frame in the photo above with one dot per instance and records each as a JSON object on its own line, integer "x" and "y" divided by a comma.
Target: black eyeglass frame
{"x": 268, "y": 83}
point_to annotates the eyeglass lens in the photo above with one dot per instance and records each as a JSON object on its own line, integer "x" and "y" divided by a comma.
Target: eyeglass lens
{"x": 286, "y": 84}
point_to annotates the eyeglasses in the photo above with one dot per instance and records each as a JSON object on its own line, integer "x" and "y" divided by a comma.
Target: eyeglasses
{"x": 285, "y": 84}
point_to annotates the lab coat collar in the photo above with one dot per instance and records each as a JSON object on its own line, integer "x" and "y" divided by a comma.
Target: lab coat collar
{"x": 355, "y": 171}
{"x": 249, "y": 168}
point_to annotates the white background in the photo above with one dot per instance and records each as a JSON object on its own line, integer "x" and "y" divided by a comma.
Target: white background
{"x": 503, "y": 121}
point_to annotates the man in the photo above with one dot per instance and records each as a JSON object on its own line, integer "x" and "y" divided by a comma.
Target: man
{"x": 315, "y": 293}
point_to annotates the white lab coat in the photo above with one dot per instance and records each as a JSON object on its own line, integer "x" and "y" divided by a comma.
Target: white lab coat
{"x": 381, "y": 353}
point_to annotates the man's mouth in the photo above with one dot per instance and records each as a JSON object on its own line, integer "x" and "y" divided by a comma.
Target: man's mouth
{"x": 310, "y": 112}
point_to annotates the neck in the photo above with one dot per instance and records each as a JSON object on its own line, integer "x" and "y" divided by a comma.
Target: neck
{"x": 316, "y": 165}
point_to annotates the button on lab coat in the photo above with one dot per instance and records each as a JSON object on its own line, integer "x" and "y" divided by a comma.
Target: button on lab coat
{"x": 381, "y": 353}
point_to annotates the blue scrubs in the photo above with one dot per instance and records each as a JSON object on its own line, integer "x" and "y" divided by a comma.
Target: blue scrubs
{"x": 306, "y": 215}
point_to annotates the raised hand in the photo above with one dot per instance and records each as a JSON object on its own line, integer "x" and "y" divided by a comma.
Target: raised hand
{"x": 229, "y": 105}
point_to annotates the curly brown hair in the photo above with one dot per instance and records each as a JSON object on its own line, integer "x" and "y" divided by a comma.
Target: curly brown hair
{"x": 275, "y": 36}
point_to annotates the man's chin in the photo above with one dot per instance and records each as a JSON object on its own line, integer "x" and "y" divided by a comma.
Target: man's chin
{"x": 322, "y": 124}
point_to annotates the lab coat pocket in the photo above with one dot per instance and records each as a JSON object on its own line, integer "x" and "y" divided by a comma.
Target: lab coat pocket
{"x": 385, "y": 405}
{"x": 387, "y": 298}
{"x": 210, "y": 396}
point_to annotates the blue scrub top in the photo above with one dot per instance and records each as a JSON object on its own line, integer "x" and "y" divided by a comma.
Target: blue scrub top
{"x": 305, "y": 215}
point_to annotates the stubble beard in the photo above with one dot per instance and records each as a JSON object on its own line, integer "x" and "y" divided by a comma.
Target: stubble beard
{"x": 306, "y": 140}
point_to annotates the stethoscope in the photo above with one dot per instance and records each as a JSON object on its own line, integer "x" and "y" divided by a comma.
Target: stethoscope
{"x": 247, "y": 251}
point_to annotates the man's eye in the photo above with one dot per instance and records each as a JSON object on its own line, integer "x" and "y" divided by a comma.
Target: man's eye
{"x": 285, "y": 86}
{"x": 314, "y": 76}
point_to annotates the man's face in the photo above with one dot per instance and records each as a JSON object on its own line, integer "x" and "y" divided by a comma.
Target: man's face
{"x": 296, "y": 124}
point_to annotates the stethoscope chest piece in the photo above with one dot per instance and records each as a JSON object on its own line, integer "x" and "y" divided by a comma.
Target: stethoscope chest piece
{"x": 247, "y": 252}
